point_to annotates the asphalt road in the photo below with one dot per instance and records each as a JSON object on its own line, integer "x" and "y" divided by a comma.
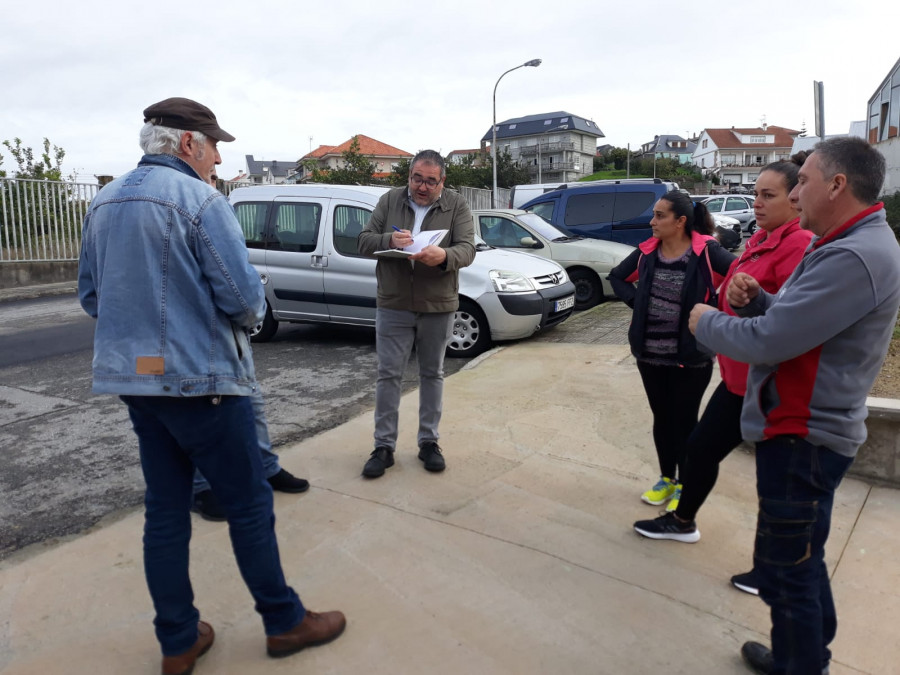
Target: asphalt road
{"x": 68, "y": 458}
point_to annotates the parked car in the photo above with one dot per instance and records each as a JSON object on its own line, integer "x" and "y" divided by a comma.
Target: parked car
{"x": 733, "y": 206}
{"x": 302, "y": 241}
{"x": 728, "y": 232}
{"x": 613, "y": 210}
{"x": 586, "y": 261}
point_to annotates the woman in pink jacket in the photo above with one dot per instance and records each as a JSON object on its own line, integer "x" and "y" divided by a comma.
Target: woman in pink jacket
{"x": 770, "y": 256}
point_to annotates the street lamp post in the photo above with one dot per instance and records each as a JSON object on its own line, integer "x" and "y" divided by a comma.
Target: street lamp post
{"x": 534, "y": 63}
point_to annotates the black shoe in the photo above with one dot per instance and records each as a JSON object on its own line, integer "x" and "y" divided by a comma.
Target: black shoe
{"x": 746, "y": 582}
{"x": 668, "y": 527}
{"x": 382, "y": 458}
{"x": 430, "y": 453}
{"x": 758, "y": 657}
{"x": 284, "y": 481}
{"x": 209, "y": 508}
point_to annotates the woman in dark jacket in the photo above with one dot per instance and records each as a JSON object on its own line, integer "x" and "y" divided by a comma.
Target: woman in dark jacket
{"x": 679, "y": 266}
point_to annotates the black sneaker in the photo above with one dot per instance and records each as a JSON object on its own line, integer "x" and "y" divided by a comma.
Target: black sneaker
{"x": 382, "y": 458}
{"x": 284, "y": 481}
{"x": 758, "y": 657}
{"x": 430, "y": 453}
{"x": 668, "y": 527}
{"x": 209, "y": 508}
{"x": 746, "y": 582}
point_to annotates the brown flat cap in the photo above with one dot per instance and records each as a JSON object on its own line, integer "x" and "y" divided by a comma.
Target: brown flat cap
{"x": 188, "y": 115}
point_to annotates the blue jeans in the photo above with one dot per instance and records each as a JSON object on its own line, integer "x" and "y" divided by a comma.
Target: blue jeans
{"x": 218, "y": 436}
{"x": 796, "y": 481}
{"x": 395, "y": 333}
{"x": 269, "y": 458}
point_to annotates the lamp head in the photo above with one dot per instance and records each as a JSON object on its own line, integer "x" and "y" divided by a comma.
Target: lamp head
{"x": 533, "y": 62}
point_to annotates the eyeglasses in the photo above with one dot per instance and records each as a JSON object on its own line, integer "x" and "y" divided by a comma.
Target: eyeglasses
{"x": 430, "y": 183}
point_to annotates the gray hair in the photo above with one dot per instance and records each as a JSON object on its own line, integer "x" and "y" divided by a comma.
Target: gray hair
{"x": 158, "y": 140}
{"x": 862, "y": 164}
{"x": 430, "y": 157}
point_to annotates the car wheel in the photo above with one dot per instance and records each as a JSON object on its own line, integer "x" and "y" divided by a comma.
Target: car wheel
{"x": 471, "y": 334}
{"x": 588, "y": 291}
{"x": 751, "y": 227}
{"x": 265, "y": 329}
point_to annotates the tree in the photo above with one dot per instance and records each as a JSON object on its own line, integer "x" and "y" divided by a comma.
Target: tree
{"x": 356, "y": 169}
{"x": 48, "y": 167}
{"x": 619, "y": 157}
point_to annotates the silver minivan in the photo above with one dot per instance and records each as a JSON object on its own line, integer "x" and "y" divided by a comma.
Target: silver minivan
{"x": 302, "y": 240}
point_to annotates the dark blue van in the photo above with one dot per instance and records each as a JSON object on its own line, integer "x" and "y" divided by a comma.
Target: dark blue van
{"x": 617, "y": 210}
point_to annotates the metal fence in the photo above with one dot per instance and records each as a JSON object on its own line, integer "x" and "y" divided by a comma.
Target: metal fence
{"x": 477, "y": 198}
{"x": 41, "y": 220}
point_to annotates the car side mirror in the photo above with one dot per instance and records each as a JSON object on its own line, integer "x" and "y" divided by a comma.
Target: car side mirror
{"x": 530, "y": 242}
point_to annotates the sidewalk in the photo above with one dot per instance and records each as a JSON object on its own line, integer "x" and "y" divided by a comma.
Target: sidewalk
{"x": 518, "y": 559}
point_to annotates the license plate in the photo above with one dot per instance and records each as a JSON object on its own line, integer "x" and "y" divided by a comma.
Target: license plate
{"x": 565, "y": 303}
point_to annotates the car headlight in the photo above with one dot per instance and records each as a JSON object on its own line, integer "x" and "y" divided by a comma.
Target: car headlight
{"x": 507, "y": 281}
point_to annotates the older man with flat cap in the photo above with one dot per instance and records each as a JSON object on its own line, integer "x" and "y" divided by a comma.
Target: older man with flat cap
{"x": 165, "y": 272}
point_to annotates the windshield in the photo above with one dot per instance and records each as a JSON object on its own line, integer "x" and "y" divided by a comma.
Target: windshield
{"x": 541, "y": 226}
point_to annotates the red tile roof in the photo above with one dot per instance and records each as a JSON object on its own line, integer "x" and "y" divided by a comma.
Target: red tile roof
{"x": 726, "y": 138}
{"x": 367, "y": 146}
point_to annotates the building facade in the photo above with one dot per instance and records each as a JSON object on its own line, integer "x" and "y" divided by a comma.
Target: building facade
{"x": 884, "y": 126}
{"x": 382, "y": 155}
{"x": 556, "y": 147}
{"x": 737, "y": 155}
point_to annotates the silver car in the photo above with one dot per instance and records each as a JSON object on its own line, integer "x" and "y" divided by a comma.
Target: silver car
{"x": 302, "y": 241}
{"x": 586, "y": 261}
{"x": 734, "y": 206}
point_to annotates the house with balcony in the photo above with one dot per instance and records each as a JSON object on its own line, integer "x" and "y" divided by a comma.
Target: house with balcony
{"x": 667, "y": 146}
{"x": 884, "y": 126}
{"x": 556, "y": 147}
{"x": 737, "y": 155}
{"x": 382, "y": 155}
{"x": 263, "y": 172}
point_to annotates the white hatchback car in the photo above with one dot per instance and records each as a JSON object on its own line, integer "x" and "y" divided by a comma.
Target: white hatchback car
{"x": 586, "y": 261}
{"x": 302, "y": 241}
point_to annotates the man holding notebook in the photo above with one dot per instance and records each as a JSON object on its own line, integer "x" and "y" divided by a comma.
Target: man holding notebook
{"x": 417, "y": 299}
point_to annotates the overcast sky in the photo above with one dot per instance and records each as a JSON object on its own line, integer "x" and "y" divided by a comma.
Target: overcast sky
{"x": 419, "y": 75}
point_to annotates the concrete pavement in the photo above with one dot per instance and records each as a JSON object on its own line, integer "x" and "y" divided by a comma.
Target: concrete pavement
{"x": 520, "y": 558}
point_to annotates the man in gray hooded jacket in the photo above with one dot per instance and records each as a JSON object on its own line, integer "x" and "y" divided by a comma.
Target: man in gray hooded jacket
{"x": 814, "y": 351}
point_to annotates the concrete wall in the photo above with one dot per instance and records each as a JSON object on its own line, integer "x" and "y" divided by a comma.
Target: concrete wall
{"x": 878, "y": 459}
{"x": 16, "y": 274}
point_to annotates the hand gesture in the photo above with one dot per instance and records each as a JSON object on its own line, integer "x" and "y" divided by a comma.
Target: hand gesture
{"x": 401, "y": 238}
{"x": 430, "y": 255}
{"x": 699, "y": 310}
{"x": 742, "y": 289}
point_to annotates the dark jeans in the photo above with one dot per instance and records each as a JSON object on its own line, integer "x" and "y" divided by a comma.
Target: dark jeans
{"x": 674, "y": 394}
{"x": 216, "y": 435}
{"x": 796, "y": 481}
{"x": 717, "y": 433}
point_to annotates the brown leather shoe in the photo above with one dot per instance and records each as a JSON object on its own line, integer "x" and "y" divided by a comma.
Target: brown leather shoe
{"x": 315, "y": 629}
{"x": 183, "y": 664}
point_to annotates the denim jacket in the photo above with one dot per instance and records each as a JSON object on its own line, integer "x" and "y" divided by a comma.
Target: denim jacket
{"x": 164, "y": 269}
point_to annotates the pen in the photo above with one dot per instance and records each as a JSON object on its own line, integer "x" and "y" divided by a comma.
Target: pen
{"x": 397, "y": 228}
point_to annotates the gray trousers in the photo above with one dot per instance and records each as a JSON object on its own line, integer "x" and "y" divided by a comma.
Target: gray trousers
{"x": 396, "y": 331}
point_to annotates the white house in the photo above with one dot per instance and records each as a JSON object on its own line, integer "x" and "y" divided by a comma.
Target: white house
{"x": 737, "y": 155}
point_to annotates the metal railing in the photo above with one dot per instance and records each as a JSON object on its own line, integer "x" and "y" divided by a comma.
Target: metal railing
{"x": 41, "y": 220}
{"x": 546, "y": 147}
{"x": 477, "y": 198}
